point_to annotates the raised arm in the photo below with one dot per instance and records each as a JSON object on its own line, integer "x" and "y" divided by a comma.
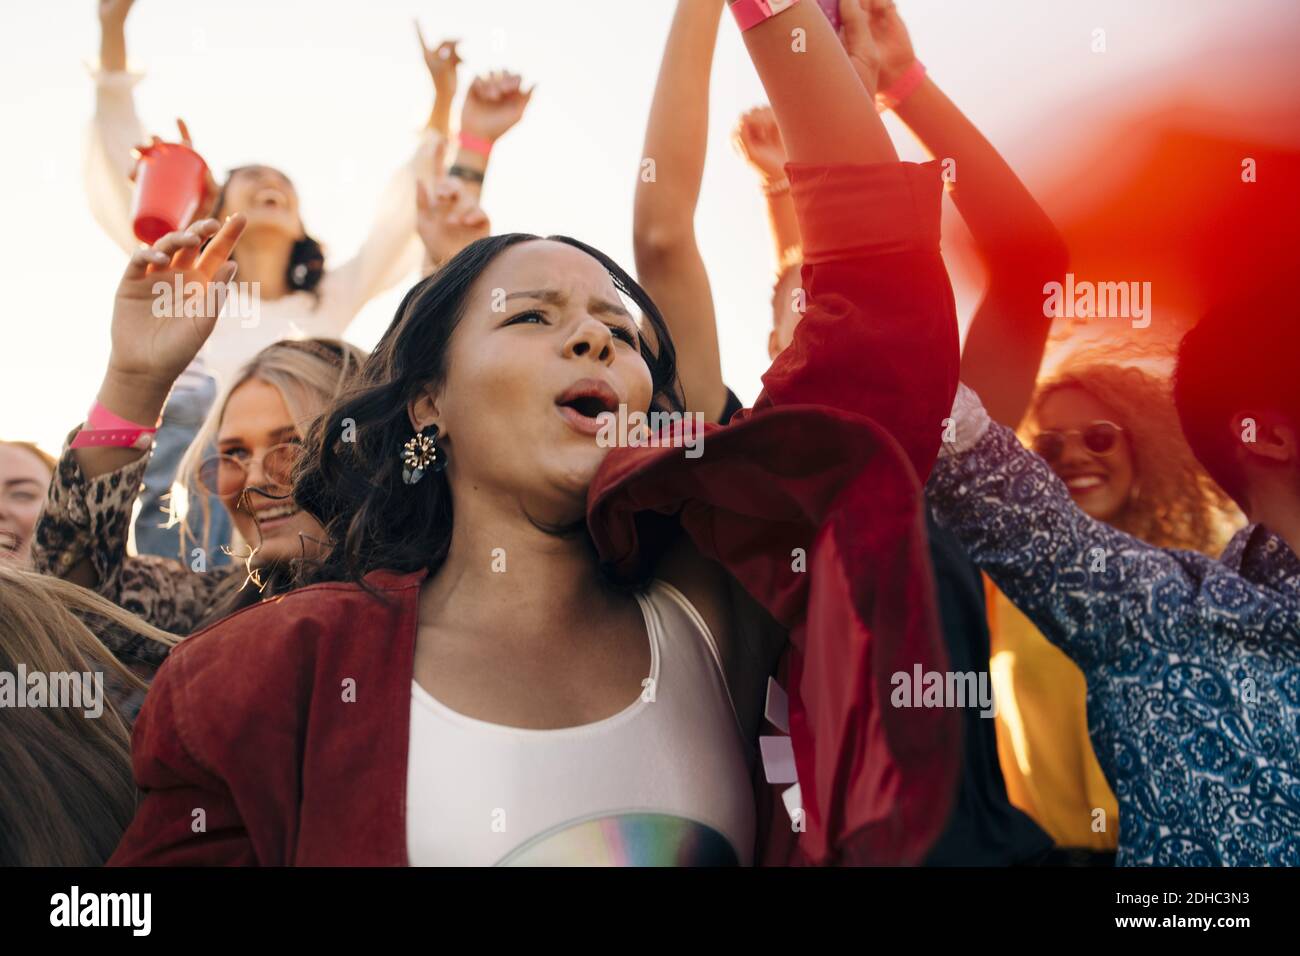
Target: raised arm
{"x": 112, "y": 34}
{"x": 668, "y": 261}
{"x": 81, "y": 534}
{"x": 1018, "y": 243}
{"x": 825, "y": 113}
{"x": 879, "y": 336}
{"x": 114, "y": 131}
{"x": 758, "y": 139}
{"x": 1090, "y": 588}
{"x": 493, "y": 106}
{"x": 443, "y": 62}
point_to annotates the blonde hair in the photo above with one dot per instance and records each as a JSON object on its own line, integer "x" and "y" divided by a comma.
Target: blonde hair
{"x": 66, "y": 792}
{"x": 308, "y": 373}
{"x": 45, "y": 457}
{"x": 1174, "y": 503}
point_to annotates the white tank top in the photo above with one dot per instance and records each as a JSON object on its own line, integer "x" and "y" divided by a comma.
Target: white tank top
{"x": 666, "y": 781}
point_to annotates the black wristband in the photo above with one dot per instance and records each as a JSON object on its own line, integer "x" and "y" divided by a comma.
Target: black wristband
{"x": 465, "y": 173}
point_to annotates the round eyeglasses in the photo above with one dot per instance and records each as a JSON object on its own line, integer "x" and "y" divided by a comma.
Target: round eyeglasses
{"x": 225, "y": 475}
{"x": 1099, "y": 438}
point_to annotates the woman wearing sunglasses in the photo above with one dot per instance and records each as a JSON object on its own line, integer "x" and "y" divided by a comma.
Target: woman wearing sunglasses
{"x": 1112, "y": 435}
{"x": 256, "y": 429}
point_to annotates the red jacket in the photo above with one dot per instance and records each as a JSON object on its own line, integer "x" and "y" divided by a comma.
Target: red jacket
{"x": 285, "y": 727}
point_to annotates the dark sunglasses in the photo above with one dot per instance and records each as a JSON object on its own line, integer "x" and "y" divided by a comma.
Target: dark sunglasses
{"x": 1100, "y": 438}
{"x": 225, "y": 475}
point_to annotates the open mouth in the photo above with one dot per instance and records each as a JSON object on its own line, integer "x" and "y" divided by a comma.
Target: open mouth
{"x": 590, "y": 407}
{"x": 1082, "y": 484}
{"x": 582, "y": 404}
{"x": 275, "y": 515}
{"x": 270, "y": 198}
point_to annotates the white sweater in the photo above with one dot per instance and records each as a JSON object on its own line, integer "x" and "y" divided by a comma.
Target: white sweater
{"x": 390, "y": 252}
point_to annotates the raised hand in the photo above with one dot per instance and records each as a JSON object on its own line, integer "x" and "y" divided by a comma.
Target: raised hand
{"x": 890, "y": 34}
{"x": 112, "y": 34}
{"x": 860, "y": 43}
{"x": 758, "y": 139}
{"x": 154, "y": 334}
{"x": 448, "y": 219}
{"x": 442, "y": 62}
{"x": 114, "y": 12}
{"x": 493, "y": 105}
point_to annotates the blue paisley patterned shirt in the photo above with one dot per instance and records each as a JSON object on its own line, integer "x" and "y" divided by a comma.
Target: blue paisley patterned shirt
{"x": 1192, "y": 664}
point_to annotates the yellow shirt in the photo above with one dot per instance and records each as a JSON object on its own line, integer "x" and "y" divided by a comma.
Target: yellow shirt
{"x": 1042, "y": 729}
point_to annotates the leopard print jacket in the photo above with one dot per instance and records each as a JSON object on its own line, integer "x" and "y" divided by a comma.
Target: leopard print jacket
{"x": 88, "y": 518}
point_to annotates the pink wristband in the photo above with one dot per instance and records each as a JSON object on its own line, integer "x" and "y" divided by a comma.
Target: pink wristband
{"x": 99, "y": 418}
{"x": 903, "y": 87}
{"x": 106, "y": 430}
{"x": 750, "y": 13}
{"x": 476, "y": 143}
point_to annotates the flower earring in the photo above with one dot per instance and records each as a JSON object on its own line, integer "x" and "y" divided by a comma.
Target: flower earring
{"x": 421, "y": 454}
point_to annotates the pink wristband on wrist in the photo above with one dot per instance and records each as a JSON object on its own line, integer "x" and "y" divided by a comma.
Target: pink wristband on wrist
{"x": 750, "y": 13}
{"x": 476, "y": 143}
{"x": 902, "y": 88}
{"x": 106, "y": 430}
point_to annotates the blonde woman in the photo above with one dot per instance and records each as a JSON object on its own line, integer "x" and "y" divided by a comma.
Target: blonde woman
{"x": 66, "y": 792}
{"x": 1111, "y": 433}
{"x": 25, "y": 473}
{"x": 256, "y": 429}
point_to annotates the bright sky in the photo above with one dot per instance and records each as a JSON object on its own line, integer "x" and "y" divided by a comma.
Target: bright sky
{"x": 333, "y": 92}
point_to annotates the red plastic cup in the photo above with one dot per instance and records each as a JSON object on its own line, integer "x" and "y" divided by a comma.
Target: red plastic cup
{"x": 169, "y": 183}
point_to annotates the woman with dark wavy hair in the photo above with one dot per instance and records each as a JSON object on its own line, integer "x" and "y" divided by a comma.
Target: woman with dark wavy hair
{"x": 527, "y": 646}
{"x": 347, "y": 484}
